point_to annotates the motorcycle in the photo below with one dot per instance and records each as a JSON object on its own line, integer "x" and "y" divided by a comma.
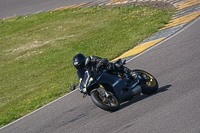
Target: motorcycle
{"x": 109, "y": 89}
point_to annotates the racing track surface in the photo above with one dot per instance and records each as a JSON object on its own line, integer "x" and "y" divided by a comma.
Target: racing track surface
{"x": 174, "y": 108}
{"x": 9, "y": 8}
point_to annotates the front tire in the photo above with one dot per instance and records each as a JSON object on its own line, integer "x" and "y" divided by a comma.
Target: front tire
{"x": 149, "y": 87}
{"x": 108, "y": 104}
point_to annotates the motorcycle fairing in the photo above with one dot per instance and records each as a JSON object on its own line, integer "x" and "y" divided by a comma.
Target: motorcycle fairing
{"x": 116, "y": 83}
{"x": 112, "y": 80}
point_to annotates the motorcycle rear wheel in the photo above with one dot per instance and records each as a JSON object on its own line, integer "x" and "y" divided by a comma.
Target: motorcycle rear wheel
{"x": 108, "y": 104}
{"x": 148, "y": 87}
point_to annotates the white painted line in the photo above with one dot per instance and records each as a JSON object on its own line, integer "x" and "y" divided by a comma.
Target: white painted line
{"x": 185, "y": 27}
{"x": 37, "y": 110}
{"x": 127, "y": 61}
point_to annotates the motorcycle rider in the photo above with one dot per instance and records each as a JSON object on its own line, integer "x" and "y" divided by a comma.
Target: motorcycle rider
{"x": 80, "y": 61}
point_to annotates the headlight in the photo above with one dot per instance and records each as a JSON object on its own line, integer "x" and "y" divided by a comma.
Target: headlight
{"x": 81, "y": 89}
{"x": 89, "y": 82}
{"x": 91, "y": 79}
{"x": 84, "y": 90}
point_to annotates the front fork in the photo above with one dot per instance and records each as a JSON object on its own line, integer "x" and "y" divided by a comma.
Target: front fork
{"x": 105, "y": 93}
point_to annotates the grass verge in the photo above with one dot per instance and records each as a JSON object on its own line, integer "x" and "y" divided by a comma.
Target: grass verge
{"x": 36, "y": 50}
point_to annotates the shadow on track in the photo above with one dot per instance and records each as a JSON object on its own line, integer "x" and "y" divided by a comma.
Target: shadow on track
{"x": 141, "y": 97}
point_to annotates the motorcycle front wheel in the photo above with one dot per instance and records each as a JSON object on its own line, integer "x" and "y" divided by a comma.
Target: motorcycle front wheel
{"x": 149, "y": 87}
{"x": 106, "y": 103}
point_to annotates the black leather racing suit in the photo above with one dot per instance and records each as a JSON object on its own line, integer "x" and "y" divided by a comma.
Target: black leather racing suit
{"x": 95, "y": 62}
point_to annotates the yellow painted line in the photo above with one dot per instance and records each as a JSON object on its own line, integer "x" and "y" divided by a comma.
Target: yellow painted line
{"x": 184, "y": 2}
{"x": 188, "y": 4}
{"x": 71, "y": 6}
{"x": 110, "y": 3}
{"x": 182, "y": 19}
{"x": 116, "y": 1}
{"x": 3, "y": 19}
{"x": 7, "y": 18}
{"x": 139, "y": 48}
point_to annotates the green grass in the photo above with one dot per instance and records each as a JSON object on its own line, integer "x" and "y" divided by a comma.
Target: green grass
{"x": 36, "y": 50}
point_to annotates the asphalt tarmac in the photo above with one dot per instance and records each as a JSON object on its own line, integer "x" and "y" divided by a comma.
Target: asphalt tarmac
{"x": 9, "y": 8}
{"x": 174, "y": 108}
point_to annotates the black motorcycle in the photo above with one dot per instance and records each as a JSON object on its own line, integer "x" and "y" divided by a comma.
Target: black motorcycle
{"x": 109, "y": 89}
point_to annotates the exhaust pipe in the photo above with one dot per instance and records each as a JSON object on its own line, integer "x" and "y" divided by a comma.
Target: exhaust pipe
{"x": 136, "y": 90}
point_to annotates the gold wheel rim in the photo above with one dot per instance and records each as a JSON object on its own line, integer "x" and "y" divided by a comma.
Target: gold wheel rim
{"x": 104, "y": 101}
{"x": 152, "y": 81}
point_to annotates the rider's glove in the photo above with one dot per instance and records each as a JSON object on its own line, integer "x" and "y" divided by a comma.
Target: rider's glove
{"x": 103, "y": 62}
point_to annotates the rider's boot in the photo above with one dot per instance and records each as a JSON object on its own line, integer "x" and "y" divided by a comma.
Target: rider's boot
{"x": 132, "y": 75}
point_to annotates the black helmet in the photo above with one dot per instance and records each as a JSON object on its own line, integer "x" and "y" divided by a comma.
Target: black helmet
{"x": 79, "y": 61}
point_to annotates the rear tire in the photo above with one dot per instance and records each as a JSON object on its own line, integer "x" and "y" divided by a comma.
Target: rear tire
{"x": 148, "y": 87}
{"x": 104, "y": 103}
